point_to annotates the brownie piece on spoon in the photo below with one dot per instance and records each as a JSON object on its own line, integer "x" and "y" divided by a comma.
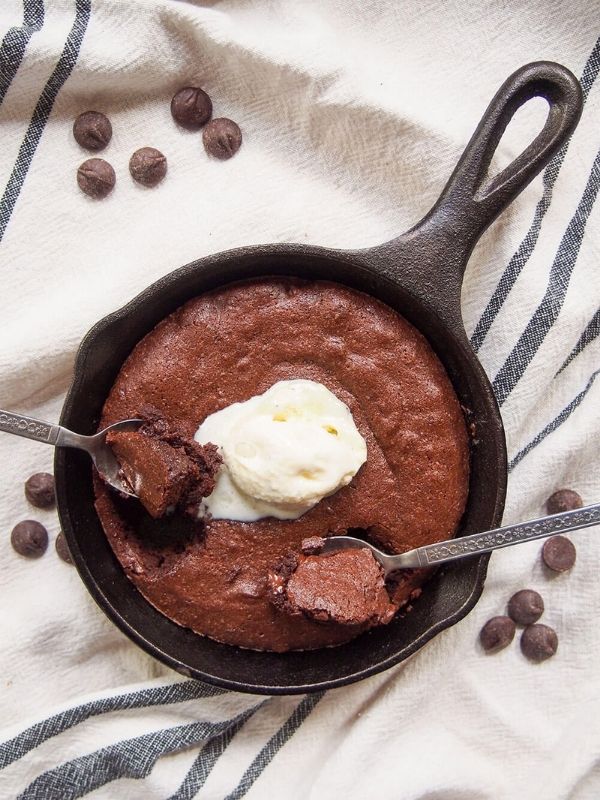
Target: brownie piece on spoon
{"x": 346, "y": 587}
{"x": 166, "y": 470}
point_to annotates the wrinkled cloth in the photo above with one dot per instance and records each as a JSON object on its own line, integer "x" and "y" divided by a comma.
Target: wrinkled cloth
{"x": 353, "y": 116}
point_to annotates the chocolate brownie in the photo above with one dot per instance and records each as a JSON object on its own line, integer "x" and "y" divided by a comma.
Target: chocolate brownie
{"x": 233, "y": 343}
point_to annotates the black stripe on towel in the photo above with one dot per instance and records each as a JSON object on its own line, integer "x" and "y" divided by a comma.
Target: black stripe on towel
{"x": 131, "y": 758}
{"x": 591, "y": 331}
{"x": 275, "y": 743}
{"x": 42, "y": 111}
{"x": 556, "y": 422}
{"x": 521, "y": 257}
{"x": 15, "y": 41}
{"x": 548, "y": 310}
{"x": 23, "y": 743}
{"x": 207, "y": 758}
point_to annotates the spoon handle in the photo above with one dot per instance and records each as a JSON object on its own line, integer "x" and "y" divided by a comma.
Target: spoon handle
{"x": 46, "y": 432}
{"x": 29, "y": 427}
{"x": 465, "y": 546}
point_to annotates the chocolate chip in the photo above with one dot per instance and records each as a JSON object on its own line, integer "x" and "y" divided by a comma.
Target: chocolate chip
{"x": 29, "y": 538}
{"x": 92, "y": 130}
{"x": 559, "y": 554}
{"x": 525, "y": 607}
{"x": 539, "y": 642}
{"x": 222, "y": 138}
{"x": 563, "y": 500}
{"x": 498, "y": 632}
{"x": 96, "y": 178}
{"x": 62, "y": 548}
{"x": 148, "y": 166}
{"x": 39, "y": 490}
{"x": 191, "y": 107}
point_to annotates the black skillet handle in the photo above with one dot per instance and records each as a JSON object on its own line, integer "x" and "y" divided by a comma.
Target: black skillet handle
{"x": 429, "y": 260}
{"x": 471, "y": 200}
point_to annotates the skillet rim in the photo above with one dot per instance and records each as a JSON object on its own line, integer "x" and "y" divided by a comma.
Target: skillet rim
{"x": 365, "y": 262}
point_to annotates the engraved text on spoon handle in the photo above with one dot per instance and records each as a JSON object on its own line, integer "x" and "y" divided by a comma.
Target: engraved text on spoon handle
{"x": 28, "y": 427}
{"x": 511, "y": 534}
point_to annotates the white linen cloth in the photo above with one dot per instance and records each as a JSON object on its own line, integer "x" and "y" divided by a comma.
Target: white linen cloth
{"x": 353, "y": 117}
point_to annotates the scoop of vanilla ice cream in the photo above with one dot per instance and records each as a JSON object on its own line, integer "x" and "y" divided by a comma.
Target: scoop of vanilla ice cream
{"x": 283, "y": 451}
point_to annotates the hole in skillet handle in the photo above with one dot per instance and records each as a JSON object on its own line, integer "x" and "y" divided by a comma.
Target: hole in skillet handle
{"x": 471, "y": 200}
{"x": 433, "y": 255}
{"x": 559, "y": 87}
{"x": 524, "y": 126}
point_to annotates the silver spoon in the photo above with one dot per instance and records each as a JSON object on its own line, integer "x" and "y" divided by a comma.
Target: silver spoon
{"x": 466, "y": 546}
{"x": 100, "y": 453}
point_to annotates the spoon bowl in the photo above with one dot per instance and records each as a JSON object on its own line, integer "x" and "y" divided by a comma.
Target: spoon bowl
{"x": 102, "y": 454}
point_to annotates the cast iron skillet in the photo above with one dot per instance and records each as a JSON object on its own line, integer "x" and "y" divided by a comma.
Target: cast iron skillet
{"x": 419, "y": 274}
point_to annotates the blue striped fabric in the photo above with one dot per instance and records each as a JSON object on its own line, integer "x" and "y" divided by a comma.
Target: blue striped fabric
{"x": 205, "y": 761}
{"x": 133, "y": 758}
{"x": 42, "y": 111}
{"x": 15, "y": 42}
{"x": 590, "y": 332}
{"x": 547, "y": 312}
{"x": 32, "y": 737}
{"x": 526, "y": 247}
{"x": 275, "y": 743}
{"x": 208, "y": 756}
{"x": 555, "y": 423}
